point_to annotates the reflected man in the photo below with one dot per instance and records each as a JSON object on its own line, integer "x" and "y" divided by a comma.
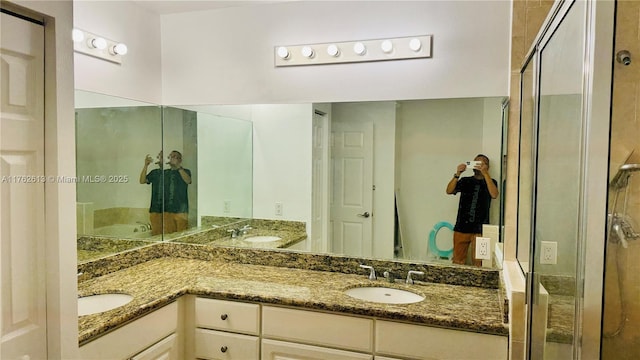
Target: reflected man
{"x": 476, "y": 193}
{"x": 168, "y": 186}
{"x": 176, "y": 206}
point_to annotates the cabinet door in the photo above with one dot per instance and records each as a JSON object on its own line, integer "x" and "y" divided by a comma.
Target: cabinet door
{"x": 165, "y": 349}
{"x": 130, "y": 339}
{"x": 219, "y": 345}
{"x": 280, "y": 350}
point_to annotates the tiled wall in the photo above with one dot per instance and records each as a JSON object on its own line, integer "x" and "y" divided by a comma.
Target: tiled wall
{"x": 528, "y": 16}
{"x": 622, "y": 280}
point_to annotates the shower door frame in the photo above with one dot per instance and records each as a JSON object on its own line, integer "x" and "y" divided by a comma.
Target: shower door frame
{"x": 592, "y": 209}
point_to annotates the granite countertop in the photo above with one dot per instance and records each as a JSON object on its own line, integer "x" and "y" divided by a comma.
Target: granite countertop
{"x": 157, "y": 282}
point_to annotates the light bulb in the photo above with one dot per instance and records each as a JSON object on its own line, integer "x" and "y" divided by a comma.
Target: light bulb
{"x": 359, "y": 48}
{"x": 77, "y": 35}
{"x": 98, "y": 43}
{"x": 415, "y": 44}
{"x": 333, "y": 50}
{"x": 307, "y": 52}
{"x": 119, "y": 49}
{"x": 386, "y": 46}
{"x": 283, "y": 52}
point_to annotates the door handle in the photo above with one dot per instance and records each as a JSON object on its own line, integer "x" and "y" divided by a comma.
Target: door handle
{"x": 365, "y": 215}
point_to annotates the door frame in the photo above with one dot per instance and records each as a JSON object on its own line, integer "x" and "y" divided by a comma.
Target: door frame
{"x": 60, "y": 198}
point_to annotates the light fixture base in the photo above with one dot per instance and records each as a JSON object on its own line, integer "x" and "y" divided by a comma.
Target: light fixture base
{"x": 371, "y": 50}
{"x": 106, "y": 53}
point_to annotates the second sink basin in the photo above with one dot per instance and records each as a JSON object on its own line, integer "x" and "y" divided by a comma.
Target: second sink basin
{"x": 100, "y": 303}
{"x": 260, "y": 239}
{"x": 384, "y": 295}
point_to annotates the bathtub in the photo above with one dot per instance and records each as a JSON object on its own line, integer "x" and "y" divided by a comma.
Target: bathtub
{"x": 128, "y": 231}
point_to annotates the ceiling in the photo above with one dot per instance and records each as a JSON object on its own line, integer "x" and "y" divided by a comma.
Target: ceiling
{"x": 172, "y": 7}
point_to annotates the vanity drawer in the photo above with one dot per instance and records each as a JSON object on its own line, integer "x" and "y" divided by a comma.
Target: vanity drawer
{"x": 228, "y": 316}
{"x": 211, "y": 344}
{"x": 417, "y": 341}
{"x": 346, "y": 332}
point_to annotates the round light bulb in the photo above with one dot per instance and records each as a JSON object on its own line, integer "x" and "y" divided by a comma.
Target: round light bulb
{"x": 98, "y": 43}
{"x": 283, "y": 52}
{"x": 307, "y": 52}
{"x": 333, "y": 50}
{"x": 119, "y": 49}
{"x": 77, "y": 35}
{"x": 386, "y": 46}
{"x": 415, "y": 44}
{"x": 359, "y": 48}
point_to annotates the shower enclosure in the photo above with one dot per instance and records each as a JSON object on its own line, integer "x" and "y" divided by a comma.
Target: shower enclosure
{"x": 621, "y": 308}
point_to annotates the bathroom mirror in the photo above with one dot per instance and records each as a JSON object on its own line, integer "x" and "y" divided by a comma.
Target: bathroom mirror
{"x": 290, "y": 151}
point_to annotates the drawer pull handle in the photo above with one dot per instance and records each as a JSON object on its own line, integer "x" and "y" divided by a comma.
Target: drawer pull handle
{"x": 223, "y": 349}
{"x": 224, "y": 316}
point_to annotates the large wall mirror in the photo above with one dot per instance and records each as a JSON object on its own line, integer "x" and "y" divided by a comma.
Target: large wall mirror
{"x": 363, "y": 179}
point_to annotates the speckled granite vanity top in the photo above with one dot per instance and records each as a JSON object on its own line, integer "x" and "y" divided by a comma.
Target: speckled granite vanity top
{"x": 156, "y": 278}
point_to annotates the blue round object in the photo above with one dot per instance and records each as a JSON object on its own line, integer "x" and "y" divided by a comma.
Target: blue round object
{"x": 432, "y": 240}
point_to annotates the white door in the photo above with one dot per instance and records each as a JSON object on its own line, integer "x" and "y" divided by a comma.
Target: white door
{"x": 352, "y": 190}
{"x": 320, "y": 188}
{"x": 22, "y": 270}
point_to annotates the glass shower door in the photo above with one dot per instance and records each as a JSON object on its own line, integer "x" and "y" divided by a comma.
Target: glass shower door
{"x": 556, "y": 193}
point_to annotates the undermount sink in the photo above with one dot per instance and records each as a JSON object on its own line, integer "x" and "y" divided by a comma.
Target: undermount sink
{"x": 100, "y": 303}
{"x": 260, "y": 239}
{"x": 384, "y": 295}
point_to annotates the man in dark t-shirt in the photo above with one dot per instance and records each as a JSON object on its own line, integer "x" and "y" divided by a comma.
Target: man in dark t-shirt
{"x": 476, "y": 193}
{"x": 169, "y": 207}
{"x": 176, "y": 201}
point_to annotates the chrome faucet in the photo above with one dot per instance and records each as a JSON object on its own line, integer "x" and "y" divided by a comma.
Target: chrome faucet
{"x": 372, "y": 271}
{"x": 244, "y": 230}
{"x": 144, "y": 226}
{"x": 234, "y": 233}
{"x": 389, "y": 276}
{"x": 412, "y": 272}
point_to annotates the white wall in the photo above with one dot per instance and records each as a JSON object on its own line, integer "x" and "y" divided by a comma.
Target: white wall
{"x": 224, "y": 147}
{"x": 139, "y": 76}
{"x": 226, "y": 56}
{"x": 282, "y": 161}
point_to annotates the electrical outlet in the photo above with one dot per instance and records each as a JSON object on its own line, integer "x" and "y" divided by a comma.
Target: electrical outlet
{"x": 548, "y": 252}
{"x": 227, "y": 206}
{"x": 483, "y": 246}
{"x": 278, "y": 209}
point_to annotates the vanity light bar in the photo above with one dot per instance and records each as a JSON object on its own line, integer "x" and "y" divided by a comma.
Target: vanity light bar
{"x": 98, "y": 46}
{"x": 410, "y": 47}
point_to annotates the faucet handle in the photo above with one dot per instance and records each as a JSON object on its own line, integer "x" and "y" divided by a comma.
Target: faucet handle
{"x": 372, "y": 271}
{"x": 412, "y": 272}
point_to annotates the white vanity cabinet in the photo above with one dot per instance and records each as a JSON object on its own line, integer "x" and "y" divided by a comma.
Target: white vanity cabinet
{"x": 419, "y": 342}
{"x": 226, "y": 330}
{"x": 301, "y": 334}
{"x": 150, "y": 337}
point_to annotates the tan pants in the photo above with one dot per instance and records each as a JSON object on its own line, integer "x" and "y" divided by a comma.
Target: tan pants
{"x": 174, "y": 222}
{"x": 461, "y": 244}
{"x": 170, "y": 222}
